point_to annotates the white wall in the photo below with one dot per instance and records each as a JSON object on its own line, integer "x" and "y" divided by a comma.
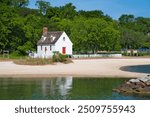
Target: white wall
{"x": 61, "y": 43}
{"x": 45, "y": 54}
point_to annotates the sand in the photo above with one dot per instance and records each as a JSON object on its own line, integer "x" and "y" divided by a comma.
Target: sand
{"x": 79, "y": 68}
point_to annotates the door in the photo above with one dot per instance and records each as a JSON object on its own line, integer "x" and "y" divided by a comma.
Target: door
{"x": 63, "y": 50}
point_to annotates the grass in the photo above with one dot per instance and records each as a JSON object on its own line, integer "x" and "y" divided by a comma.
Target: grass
{"x": 25, "y": 60}
{"x": 11, "y": 57}
{"x": 33, "y": 61}
{"x": 38, "y": 61}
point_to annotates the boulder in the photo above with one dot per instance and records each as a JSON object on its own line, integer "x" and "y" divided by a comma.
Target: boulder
{"x": 135, "y": 86}
{"x": 148, "y": 83}
{"x": 134, "y": 80}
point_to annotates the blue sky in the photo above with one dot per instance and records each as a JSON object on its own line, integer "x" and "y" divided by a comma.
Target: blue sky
{"x": 114, "y": 8}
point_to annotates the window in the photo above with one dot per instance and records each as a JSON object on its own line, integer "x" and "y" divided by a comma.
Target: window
{"x": 63, "y": 38}
{"x": 45, "y": 49}
{"x": 50, "y": 48}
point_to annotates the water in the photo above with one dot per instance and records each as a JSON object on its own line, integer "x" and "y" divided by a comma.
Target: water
{"x": 63, "y": 88}
{"x": 137, "y": 68}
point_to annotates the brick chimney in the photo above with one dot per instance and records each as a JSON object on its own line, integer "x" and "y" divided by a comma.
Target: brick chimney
{"x": 45, "y": 30}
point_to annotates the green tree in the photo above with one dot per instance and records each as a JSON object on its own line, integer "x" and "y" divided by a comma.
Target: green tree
{"x": 142, "y": 25}
{"x": 110, "y": 38}
{"x": 131, "y": 39}
{"x": 15, "y": 3}
{"x": 24, "y": 12}
{"x": 19, "y": 3}
{"x": 7, "y": 15}
{"x": 91, "y": 35}
{"x": 43, "y": 6}
{"x": 124, "y": 19}
{"x": 68, "y": 11}
{"x": 94, "y": 14}
{"x": 53, "y": 12}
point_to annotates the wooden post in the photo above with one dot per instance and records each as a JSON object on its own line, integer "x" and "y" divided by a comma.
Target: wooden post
{"x": 5, "y": 53}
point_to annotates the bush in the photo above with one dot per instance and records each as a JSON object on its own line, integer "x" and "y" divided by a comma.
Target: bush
{"x": 143, "y": 53}
{"x": 140, "y": 54}
{"x": 62, "y": 58}
{"x": 16, "y": 55}
{"x": 55, "y": 58}
{"x": 59, "y": 58}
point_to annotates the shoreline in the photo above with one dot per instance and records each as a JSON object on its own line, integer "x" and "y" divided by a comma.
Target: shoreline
{"x": 30, "y": 76}
{"x": 82, "y": 68}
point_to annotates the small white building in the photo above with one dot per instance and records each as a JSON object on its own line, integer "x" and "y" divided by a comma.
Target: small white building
{"x": 50, "y": 42}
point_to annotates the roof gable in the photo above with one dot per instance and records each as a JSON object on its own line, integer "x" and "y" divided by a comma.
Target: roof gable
{"x": 50, "y": 38}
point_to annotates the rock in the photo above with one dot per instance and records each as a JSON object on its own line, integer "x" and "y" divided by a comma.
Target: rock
{"x": 134, "y": 80}
{"x": 128, "y": 82}
{"x": 140, "y": 84}
{"x": 135, "y": 86}
{"x": 148, "y": 75}
{"x": 148, "y": 83}
{"x": 144, "y": 79}
{"x": 116, "y": 90}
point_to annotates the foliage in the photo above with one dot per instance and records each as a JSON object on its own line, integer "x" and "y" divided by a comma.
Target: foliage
{"x": 134, "y": 32}
{"x": 90, "y": 31}
{"x": 92, "y": 34}
{"x": 131, "y": 39}
{"x": 43, "y": 6}
{"x": 59, "y": 57}
{"x": 94, "y": 14}
{"x": 68, "y": 11}
{"x": 26, "y": 11}
{"x": 15, "y": 3}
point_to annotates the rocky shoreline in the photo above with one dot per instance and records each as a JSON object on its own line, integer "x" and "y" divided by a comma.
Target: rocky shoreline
{"x": 135, "y": 86}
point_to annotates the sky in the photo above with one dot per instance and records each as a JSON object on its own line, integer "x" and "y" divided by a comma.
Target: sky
{"x": 113, "y": 8}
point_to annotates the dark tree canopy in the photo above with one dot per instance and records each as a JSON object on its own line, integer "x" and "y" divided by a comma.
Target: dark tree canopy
{"x": 124, "y": 19}
{"x": 15, "y": 3}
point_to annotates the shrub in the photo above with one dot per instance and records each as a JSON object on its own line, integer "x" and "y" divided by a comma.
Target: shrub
{"x": 55, "y": 58}
{"x": 59, "y": 58}
{"x": 62, "y": 58}
{"x": 16, "y": 55}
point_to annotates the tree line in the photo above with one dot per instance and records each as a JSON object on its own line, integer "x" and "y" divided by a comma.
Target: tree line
{"x": 90, "y": 31}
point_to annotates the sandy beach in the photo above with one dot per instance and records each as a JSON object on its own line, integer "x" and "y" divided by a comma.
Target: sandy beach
{"x": 79, "y": 68}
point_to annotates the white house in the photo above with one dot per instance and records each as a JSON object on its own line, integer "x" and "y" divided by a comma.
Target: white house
{"x": 50, "y": 42}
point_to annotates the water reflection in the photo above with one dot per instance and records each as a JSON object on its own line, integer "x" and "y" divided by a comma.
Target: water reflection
{"x": 62, "y": 88}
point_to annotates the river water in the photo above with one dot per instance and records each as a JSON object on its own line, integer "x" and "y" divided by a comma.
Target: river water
{"x": 137, "y": 68}
{"x": 63, "y": 88}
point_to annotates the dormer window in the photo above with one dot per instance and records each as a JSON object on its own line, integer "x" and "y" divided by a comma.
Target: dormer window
{"x": 63, "y": 38}
{"x": 43, "y": 38}
{"x": 52, "y": 38}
